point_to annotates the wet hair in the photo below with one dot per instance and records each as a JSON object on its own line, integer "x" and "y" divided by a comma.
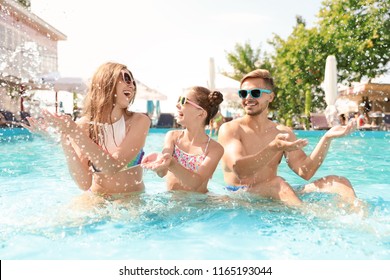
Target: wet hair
{"x": 262, "y": 74}
{"x": 101, "y": 96}
{"x": 208, "y": 100}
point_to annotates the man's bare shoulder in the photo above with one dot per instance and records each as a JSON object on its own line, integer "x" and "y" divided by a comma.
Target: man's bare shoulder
{"x": 233, "y": 124}
{"x": 230, "y": 130}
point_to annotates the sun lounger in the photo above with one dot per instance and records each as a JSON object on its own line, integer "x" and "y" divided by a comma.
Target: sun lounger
{"x": 165, "y": 120}
{"x": 386, "y": 122}
{"x": 318, "y": 121}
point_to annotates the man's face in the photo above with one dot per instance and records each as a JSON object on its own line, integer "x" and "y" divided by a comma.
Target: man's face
{"x": 256, "y": 106}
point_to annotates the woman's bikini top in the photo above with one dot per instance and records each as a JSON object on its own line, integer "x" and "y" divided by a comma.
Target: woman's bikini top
{"x": 189, "y": 161}
{"x": 112, "y": 136}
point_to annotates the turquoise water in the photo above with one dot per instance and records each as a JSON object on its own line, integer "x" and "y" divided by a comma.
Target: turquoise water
{"x": 39, "y": 219}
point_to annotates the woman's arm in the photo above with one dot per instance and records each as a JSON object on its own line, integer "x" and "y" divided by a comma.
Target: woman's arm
{"x": 101, "y": 159}
{"x": 77, "y": 164}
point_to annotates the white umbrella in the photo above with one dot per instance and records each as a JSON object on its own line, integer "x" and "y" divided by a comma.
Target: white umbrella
{"x": 211, "y": 84}
{"x": 230, "y": 94}
{"x": 346, "y": 106}
{"x": 146, "y": 93}
{"x": 69, "y": 84}
{"x": 330, "y": 87}
{"x": 228, "y": 87}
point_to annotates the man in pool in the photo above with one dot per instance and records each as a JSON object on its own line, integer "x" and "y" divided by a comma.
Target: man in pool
{"x": 254, "y": 147}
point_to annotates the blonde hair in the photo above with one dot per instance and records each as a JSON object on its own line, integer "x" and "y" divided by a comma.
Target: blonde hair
{"x": 259, "y": 73}
{"x": 101, "y": 96}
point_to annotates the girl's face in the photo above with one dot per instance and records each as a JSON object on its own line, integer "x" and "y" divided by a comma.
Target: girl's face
{"x": 125, "y": 89}
{"x": 188, "y": 111}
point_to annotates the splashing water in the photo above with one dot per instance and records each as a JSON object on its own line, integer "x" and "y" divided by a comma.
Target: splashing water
{"x": 45, "y": 216}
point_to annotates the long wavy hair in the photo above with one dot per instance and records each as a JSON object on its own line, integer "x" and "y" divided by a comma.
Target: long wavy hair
{"x": 101, "y": 97}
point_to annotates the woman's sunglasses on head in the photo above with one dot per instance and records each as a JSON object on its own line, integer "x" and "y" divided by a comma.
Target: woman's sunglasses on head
{"x": 255, "y": 93}
{"x": 183, "y": 100}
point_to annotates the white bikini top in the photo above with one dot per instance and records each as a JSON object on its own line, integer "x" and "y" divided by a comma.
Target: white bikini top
{"x": 113, "y": 134}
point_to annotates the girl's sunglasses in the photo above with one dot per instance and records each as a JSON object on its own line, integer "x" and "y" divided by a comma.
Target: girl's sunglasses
{"x": 183, "y": 100}
{"x": 128, "y": 78}
{"x": 255, "y": 93}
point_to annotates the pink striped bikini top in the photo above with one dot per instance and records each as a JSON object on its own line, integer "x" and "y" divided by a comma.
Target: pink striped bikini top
{"x": 189, "y": 161}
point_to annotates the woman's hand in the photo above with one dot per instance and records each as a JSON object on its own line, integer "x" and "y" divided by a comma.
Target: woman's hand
{"x": 37, "y": 126}
{"x": 62, "y": 123}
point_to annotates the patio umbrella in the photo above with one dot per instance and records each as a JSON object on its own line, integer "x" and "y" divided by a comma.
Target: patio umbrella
{"x": 330, "y": 87}
{"x": 345, "y": 106}
{"x": 211, "y": 84}
{"x": 228, "y": 87}
{"x": 146, "y": 93}
{"x": 69, "y": 84}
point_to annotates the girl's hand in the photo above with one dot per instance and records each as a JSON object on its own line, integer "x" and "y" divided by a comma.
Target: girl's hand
{"x": 149, "y": 159}
{"x": 157, "y": 162}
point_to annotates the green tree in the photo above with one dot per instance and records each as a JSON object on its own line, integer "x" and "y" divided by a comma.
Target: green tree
{"x": 297, "y": 73}
{"x": 244, "y": 59}
{"x": 358, "y": 33}
{"x": 355, "y": 31}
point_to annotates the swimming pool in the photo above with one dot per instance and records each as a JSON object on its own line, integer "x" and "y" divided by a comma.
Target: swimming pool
{"x": 39, "y": 221}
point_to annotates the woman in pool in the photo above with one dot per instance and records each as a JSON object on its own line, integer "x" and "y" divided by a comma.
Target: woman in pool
{"x": 189, "y": 157}
{"x": 104, "y": 147}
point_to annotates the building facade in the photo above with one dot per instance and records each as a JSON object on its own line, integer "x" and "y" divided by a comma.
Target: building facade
{"x": 28, "y": 51}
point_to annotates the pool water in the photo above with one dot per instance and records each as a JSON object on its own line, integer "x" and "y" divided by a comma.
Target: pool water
{"x": 41, "y": 217}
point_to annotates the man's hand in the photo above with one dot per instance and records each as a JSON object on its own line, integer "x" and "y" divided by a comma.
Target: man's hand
{"x": 340, "y": 131}
{"x": 281, "y": 143}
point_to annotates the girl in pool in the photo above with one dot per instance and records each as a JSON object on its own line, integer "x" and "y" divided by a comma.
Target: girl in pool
{"x": 189, "y": 157}
{"x": 104, "y": 147}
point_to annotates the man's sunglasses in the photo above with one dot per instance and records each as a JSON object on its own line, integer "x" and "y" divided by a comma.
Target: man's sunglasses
{"x": 183, "y": 100}
{"x": 128, "y": 78}
{"x": 255, "y": 93}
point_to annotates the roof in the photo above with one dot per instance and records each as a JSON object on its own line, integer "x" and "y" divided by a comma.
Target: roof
{"x": 372, "y": 90}
{"x": 20, "y": 13}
